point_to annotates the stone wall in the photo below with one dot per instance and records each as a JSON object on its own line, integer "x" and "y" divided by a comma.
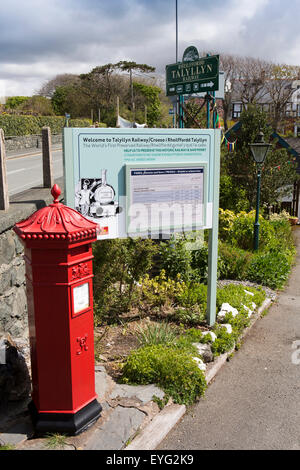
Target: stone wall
{"x": 13, "y": 301}
{"x": 13, "y": 318}
{"x": 29, "y": 141}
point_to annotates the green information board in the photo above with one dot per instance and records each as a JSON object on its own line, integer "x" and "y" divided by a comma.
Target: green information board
{"x": 145, "y": 182}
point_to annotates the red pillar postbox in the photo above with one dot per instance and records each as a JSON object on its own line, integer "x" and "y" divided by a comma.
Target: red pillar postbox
{"x": 58, "y": 257}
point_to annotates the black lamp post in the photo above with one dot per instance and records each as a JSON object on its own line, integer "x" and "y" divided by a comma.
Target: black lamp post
{"x": 259, "y": 151}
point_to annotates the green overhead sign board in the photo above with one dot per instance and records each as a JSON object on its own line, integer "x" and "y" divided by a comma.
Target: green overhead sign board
{"x": 195, "y": 76}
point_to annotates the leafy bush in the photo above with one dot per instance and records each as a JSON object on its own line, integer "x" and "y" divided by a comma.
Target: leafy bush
{"x": 234, "y": 262}
{"x": 232, "y": 196}
{"x": 271, "y": 268}
{"x": 173, "y": 369}
{"x": 225, "y": 341}
{"x": 15, "y": 125}
{"x": 192, "y": 294}
{"x": 226, "y": 220}
{"x": 18, "y": 125}
{"x": 235, "y": 295}
{"x": 194, "y": 315}
{"x": 83, "y": 123}
{"x": 118, "y": 266}
{"x": 160, "y": 290}
{"x": 175, "y": 258}
{"x": 242, "y": 231}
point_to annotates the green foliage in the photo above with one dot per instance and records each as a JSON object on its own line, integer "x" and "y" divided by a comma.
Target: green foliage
{"x": 157, "y": 333}
{"x": 15, "y": 125}
{"x": 271, "y": 265}
{"x": 192, "y": 294}
{"x": 271, "y": 268}
{"x": 173, "y": 369}
{"x": 18, "y": 125}
{"x": 118, "y": 266}
{"x": 160, "y": 290}
{"x": 37, "y": 106}
{"x": 224, "y": 342}
{"x": 83, "y": 123}
{"x": 175, "y": 258}
{"x": 151, "y": 100}
{"x": 234, "y": 263}
{"x": 194, "y": 315}
{"x": 235, "y": 295}
{"x": 13, "y": 102}
{"x": 242, "y": 169}
{"x": 242, "y": 232}
{"x": 232, "y": 196}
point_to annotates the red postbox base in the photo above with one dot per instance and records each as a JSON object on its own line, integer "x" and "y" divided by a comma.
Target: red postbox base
{"x": 64, "y": 423}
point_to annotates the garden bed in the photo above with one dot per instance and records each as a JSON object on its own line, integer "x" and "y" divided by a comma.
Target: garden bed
{"x": 150, "y": 302}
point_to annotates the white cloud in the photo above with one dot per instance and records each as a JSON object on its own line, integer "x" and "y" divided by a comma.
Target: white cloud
{"x": 39, "y": 40}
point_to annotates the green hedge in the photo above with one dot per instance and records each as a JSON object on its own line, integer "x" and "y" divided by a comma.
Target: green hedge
{"x": 14, "y": 125}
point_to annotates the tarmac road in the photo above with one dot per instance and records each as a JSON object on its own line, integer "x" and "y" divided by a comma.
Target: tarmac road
{"x": 254, "y": 402}
{"x": 25, "y": 169}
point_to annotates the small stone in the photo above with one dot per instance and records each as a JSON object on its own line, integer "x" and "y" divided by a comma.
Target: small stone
{"x": 204, "y": 351}
{"x": 200, "y": 363}
{"x": 225, "y": 309}
{"x": 228, "y": 327}
{"x": 247, "y": 310}
{"x": 247, "y": 292}
{"x": 212, "y": 335}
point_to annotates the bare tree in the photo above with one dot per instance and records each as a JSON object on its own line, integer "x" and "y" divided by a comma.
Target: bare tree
{"x": 64, "y": 79}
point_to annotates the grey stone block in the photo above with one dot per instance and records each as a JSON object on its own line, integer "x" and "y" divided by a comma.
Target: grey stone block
{"x": 7, "y": 247}
{"x": 123, "y": 423}
{"x": 144, "y": 393}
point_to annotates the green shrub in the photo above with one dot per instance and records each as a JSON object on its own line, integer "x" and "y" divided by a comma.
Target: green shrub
{"x": 118, "y": 266}
{"x": 226, "y": 220}
{"x": 194, "y": 315}
{"x": 235, "y": 295}
{"x": 271, "y": 269}
{"x": 175, "y": 258}
{"x": 173, "y": 369}
{"x": 192, "y": 294}
{"x": 232, "y": 196}
{"x": 282, "y": 229}
{"x": 225, "y": 341}
{"x": 242, "y": 231}
{"x": 234, "y": 262}
{"x": 83, "y": 123}
{"x": 56, "y": 123}
{"x": 200, "y": 263}
{"x": 14, "y": 125}
{"x": 18, "y": 125}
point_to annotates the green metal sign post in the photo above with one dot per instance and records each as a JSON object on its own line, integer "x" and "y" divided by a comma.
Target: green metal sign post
{"x": 198, "y": 75}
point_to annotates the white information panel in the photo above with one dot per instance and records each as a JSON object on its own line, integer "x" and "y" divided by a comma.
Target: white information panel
{"x": 81, "y": 297}
{"x": 165, "y": 197}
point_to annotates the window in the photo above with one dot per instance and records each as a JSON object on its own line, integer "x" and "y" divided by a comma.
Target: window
{"x": 236, "y": 110}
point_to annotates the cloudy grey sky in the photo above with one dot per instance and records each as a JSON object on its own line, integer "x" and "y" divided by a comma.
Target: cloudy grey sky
{"x": 39, "y": 39}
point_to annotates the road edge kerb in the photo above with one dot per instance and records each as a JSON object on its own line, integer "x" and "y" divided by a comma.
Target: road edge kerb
{"x": 154, "y": 433}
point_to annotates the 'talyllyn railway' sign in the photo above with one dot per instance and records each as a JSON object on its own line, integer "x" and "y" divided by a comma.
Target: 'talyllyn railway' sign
{"x": 193, "y": 76}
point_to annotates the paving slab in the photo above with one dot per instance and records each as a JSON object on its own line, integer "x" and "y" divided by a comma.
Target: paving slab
{"x": 123, "y": 423}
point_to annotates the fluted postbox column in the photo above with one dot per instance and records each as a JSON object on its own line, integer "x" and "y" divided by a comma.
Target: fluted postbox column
{"x": 58, "y": 258}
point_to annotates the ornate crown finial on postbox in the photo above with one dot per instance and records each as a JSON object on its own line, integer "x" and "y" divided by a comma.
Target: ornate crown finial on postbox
{"x": 57, "y": 222}
{"x": 56, "y": 192}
